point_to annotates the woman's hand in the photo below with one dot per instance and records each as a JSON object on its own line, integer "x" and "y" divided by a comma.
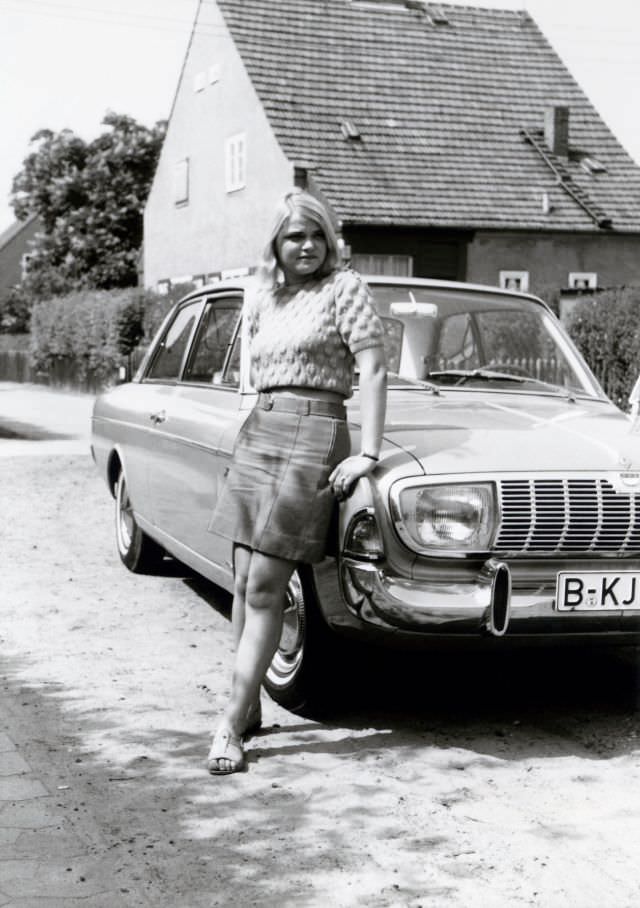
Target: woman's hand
{"x": 348, "y": 472}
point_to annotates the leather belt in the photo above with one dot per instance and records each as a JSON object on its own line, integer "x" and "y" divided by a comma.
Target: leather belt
{"x": 303, "y": 406}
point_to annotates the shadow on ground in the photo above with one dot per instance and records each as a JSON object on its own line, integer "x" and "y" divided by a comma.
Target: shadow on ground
{"x": 588, "y": 694}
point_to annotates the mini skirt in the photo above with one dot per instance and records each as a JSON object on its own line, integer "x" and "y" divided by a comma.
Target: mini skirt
{"x": 276, "y": 496}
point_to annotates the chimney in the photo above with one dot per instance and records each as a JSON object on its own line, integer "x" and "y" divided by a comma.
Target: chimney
{"x": 556, "y": 130}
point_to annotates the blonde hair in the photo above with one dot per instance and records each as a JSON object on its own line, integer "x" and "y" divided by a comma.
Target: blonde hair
{"x": 297, "y": 201}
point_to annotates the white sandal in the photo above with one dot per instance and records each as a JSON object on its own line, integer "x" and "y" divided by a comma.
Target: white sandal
{"x": 225, "y": 746}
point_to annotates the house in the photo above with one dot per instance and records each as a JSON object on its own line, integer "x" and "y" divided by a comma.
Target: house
{"x": 15, "y": 243}
{"x": 448, "y": 141}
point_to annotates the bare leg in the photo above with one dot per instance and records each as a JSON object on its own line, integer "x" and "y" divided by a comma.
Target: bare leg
{"x": 241, "y": 562}
{"x": 259, "y": 634}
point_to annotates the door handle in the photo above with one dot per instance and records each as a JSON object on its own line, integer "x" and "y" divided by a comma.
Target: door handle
{"x": 158, "y": 417}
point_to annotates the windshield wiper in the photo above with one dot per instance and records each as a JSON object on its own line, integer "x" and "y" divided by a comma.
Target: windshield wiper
{"x": 466, "y": 375}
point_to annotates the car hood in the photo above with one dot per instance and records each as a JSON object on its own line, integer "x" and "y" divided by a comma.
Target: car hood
{"x": 463, "y": 431}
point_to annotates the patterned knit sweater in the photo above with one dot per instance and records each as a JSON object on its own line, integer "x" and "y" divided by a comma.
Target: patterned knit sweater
{"x": 307, "y": 336}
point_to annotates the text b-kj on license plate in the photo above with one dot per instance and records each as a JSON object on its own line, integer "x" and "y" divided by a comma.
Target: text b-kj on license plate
{"x": 598, "y": 591}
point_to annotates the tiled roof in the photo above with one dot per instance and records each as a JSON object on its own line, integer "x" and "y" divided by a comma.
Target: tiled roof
{"x": 440, "y": 109}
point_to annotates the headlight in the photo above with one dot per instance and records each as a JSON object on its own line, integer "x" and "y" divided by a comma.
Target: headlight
{"x": 458, "y": 517}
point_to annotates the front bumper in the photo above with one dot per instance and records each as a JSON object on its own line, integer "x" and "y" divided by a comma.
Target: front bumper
{"x": 472, "y": 608}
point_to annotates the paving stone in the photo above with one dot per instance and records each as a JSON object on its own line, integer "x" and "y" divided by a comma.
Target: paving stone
{"x": 72, "y": 878}
{"x": 11, "y": 763}
{"x": 35, "y": 814}
{"x": 19, "y": 788}
{"x": 104, "y": 900}
{"x": 56, "y": 844}
{"x": 6, "y": 743}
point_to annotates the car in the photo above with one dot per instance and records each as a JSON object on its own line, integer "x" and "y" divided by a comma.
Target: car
{"x": 504, "y": 510}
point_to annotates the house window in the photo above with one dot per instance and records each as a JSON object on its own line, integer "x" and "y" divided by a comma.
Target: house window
{"x": 514, "y": 280}
{"x": 395, "y": 265}
{"x": 24, "y": 265}
{"x": 181, "y": 182}
{"x": 235, "y": 162}
{"x": 583, "y": 280}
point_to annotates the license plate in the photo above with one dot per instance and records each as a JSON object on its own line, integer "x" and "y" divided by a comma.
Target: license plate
{"x": 598, "y": 591}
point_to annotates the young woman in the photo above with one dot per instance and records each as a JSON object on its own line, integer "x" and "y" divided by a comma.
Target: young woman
{"x": 309, "y": 322}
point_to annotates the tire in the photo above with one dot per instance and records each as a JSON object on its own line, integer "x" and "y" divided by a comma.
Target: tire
{"x": 137, "y": 551}
{"x": 297, "y": 678}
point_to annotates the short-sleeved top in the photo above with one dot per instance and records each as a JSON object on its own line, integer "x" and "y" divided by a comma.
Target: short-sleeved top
{"x": 307, "y": 336}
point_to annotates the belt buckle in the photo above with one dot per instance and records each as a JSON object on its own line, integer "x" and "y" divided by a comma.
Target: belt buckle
{"x": 269, "y": 401}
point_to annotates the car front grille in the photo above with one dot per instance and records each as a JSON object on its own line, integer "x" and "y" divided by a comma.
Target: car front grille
{"x": 567, "y": 517}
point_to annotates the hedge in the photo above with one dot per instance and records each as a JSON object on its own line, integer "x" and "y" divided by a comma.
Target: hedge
{"x": 606, "y": 330}
{"x": 94, "y": 331}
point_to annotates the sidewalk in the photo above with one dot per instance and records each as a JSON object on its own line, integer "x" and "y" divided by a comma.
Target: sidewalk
{"x": 62, "y": 417}
{"x": 44, "y": 860}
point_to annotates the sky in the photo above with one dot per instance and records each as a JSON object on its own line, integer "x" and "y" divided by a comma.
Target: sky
{"x": 64, "y": 63}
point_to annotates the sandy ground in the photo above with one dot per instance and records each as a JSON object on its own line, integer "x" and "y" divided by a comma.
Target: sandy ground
{"x": 452, "y": 781}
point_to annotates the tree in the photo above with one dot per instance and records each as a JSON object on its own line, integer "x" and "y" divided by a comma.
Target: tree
{"x": 90, "y": 198}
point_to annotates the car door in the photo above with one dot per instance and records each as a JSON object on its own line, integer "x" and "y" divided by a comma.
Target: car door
{"x": 204, "y": 408}
{"x": 148, "y": 401}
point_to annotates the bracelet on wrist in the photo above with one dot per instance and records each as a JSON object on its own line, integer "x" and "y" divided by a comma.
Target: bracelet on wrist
{"x": 370, "y": 456}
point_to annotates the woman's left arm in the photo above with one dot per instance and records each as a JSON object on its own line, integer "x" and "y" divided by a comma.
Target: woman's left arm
{"x": 373, "y": 403}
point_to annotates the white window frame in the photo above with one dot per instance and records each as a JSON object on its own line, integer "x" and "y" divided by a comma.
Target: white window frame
{"x": 235, "y": 157}
{"x": 518, "y": 278}
{"x": 24, "y": 265}
{"x": 181, "y": 182}
{"x": 583, "y": 280}
{"x": 379, "y": 263}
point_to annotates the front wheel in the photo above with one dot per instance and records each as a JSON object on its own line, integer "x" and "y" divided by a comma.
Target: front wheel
{"x": 298, "y": 677}
{"x": 137, "y": 551}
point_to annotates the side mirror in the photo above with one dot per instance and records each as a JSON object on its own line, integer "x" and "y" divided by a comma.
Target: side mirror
{"x": 634, "y": 400}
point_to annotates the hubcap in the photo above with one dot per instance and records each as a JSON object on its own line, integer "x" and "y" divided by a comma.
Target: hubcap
{"x": 289, "y": 655}
{"x": 124, "y": 516}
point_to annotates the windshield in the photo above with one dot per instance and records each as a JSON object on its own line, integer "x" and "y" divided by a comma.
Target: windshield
{"x": 459, "y": 338}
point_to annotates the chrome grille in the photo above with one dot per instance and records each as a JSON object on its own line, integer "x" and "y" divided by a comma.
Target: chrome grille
{"x": 567, "y": 516}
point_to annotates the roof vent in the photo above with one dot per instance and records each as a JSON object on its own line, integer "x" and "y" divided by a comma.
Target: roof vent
{"x": 350, "y": 131}
{"x": 591, "y": 164}
{"x": 556, "y": 130}
{"x": 438, "y": 15}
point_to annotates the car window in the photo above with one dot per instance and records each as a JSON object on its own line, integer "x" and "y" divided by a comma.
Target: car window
{"x": 457, "y": 347}
{"x": 167, "y": 360}
{"x": 213, "y": 340}
{"x": 468, "y": 338}
{"x": 231, "y": 374}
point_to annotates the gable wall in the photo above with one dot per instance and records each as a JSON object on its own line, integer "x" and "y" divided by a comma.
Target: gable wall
{"x": 215, "y": 230}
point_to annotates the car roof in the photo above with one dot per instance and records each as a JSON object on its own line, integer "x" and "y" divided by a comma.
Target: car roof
{"x": 377, "y": 280}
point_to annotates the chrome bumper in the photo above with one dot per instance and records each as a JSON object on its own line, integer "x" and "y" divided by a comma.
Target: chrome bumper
{"x": 490, "y": 605}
